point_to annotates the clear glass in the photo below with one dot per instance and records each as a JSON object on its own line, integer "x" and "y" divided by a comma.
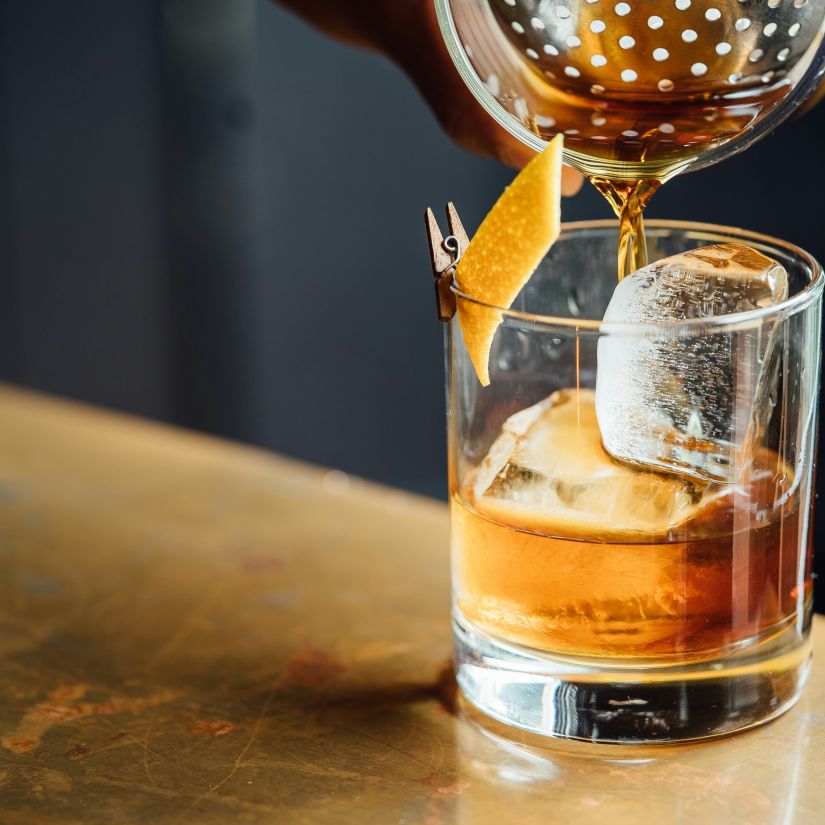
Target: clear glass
{"x": 595, "y": 601}
{"x": 640, "y": 90}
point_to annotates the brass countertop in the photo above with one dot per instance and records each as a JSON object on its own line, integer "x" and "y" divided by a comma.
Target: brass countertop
{"x": 193, "y": 631}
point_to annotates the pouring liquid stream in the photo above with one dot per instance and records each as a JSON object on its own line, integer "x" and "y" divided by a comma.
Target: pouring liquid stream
{"x": 643, "y": 146}
{"x": 628, "y": 200}
{"x": 641, "y": 92}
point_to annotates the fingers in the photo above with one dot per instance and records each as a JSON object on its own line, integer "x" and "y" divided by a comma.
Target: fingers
{"x": 408, "y": 33}
{"x": 571, "y": 181}
{"x": 431, "y": 69}
{"x": 815, "y": 98}
{"x": 513, "y": 152}
{"x": 509, "y": 150}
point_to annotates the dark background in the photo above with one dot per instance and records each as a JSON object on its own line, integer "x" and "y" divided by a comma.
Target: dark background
{"x": 211, "y": 215}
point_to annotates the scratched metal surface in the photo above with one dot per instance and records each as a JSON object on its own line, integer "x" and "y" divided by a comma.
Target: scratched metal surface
{"x": 195, "y": 632}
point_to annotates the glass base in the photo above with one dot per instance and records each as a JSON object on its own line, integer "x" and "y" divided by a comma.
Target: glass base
{"x": 607, "y": 702}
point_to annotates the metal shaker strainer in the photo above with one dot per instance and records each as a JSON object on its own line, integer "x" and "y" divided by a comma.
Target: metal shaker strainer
{"x": 623, "y": 80}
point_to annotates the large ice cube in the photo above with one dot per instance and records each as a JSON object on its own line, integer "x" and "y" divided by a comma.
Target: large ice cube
{"x": 691, "y": 400}
{"x": 548, "y": 472}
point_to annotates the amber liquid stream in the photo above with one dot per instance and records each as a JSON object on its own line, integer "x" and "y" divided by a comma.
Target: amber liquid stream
{"x": 676, "y": 99}
{"x": 630, "y": 144}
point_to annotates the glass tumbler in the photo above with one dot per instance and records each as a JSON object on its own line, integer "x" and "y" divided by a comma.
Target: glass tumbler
{"x": 603, "y": 601}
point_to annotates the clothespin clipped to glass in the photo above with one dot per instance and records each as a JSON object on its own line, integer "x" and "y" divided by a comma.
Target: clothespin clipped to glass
{"x": 445, "y": 253}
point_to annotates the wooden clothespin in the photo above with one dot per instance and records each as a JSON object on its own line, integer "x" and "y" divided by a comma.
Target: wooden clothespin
{"x": 445, "y": 253}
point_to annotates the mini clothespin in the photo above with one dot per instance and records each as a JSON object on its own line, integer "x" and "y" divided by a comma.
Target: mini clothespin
{"x": 445, "y": 253}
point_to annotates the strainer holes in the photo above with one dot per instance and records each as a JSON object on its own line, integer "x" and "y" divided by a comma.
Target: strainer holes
{"x": 770, "y": 29}
{"x": 622, "y": 9}
{"x": 782, "y": 55}
{"x": 628, "y": 75}
{"x": 793, "y": 31}
{"x": 660, "y": 54}
{"x": 742, "y": 24}
{"x": 572, "y": 71}
{"x": 655, "y": 22}
{"x": 517, "y": 27}
{"x": 665, "y": 85}
{"x": 667, "y": 128}
{"x": 627, "y": 42}
{"x": 549, "y": 48}
{"x": 537, "y": 23}
{"x": 713, "y": 14}
{"x": 597, "y": 89}
{"x": 773, "y": 4}
{"x": 572, "y": 41}
{"x": 689, "y": 36}
{"x": 597, "y": 26}
{"x": 756, "y": 55}
{"x": 598, "y": 60}
{"x": 532, "y": 53}
{"x": 723, "y": 48}
{"x": 698, "y": 69}
{"x": 562, "y": 12}
{"x": 682, "y": 5}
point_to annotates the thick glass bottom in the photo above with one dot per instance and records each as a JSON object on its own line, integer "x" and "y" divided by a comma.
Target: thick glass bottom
{"x": 626, "y": 703}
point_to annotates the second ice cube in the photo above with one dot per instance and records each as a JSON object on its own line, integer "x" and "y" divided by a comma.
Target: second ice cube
{"x": 689, "y": 399}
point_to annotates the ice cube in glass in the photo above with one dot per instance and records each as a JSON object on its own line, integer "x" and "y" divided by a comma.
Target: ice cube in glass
{"x": 676, "y": 399}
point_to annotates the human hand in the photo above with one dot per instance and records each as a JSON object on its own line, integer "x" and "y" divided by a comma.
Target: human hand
{"x": 407, "y": 32}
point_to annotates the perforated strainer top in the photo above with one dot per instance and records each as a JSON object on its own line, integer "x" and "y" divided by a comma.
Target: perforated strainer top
{"x": 680, "y": 46}
{"x": 640, "y": 88}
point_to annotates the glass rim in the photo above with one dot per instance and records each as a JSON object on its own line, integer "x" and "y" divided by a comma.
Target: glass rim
{"x": 689, "y": 326}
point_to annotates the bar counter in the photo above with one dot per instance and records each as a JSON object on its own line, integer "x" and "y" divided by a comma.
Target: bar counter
{"x": 196, "y": 631}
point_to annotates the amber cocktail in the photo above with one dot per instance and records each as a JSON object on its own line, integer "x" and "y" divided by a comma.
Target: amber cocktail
{"x": 602, "y": 600}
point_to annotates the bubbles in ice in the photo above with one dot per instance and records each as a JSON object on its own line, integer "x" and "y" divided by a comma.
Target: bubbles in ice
{"x": 691, "y": 398}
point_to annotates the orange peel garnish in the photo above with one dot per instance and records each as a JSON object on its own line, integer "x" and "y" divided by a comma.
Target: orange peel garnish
{"x": 505, "y": 251}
